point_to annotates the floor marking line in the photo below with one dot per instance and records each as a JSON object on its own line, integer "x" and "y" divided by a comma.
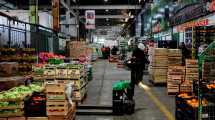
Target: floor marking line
{"x": 161, "y": 106}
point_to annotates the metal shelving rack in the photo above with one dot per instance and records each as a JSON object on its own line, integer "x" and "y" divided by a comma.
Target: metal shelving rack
{"x": 208, "y": 54}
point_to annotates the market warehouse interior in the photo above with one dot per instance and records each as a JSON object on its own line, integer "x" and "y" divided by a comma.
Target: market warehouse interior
{"x": 107, "y": 60}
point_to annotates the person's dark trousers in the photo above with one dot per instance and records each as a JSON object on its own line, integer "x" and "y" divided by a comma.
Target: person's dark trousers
{"x": 136, "y": 77}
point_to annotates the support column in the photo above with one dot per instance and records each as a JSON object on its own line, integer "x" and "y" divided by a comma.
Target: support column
{"x": 56, "y": 14}
{"x": 34, "y": 19}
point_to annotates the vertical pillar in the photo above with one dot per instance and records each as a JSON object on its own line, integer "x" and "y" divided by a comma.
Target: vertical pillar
{"x": 34, "y": 12}
{"x": 34, "y": 19}
{"x": 56, "y": 14}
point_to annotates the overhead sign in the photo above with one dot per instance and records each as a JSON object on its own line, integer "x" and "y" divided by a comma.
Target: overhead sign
{"x": 90, "y": 19}
{"x": 191, "y": 24}
{"x": 188, "y": 13}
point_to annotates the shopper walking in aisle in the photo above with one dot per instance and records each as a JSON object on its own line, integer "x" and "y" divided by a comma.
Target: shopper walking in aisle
{"x": 114, "y": 50}
{"x": 139, "y": 57}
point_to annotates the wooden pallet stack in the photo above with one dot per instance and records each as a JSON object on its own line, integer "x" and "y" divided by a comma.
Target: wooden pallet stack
{"x": 175, "y": 78}
{"x": 174, "y": 57}
{"x": 159, "y": 66}
{"x": 192, "y": 70}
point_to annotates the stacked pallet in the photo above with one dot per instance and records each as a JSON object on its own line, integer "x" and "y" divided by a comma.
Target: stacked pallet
{"x": 159, "y": 65}
{"x": 57, "y": 104}
{"x": 175, "y": 77}
{"x": 191, "y": 70}
{"x": 175, "y": 57}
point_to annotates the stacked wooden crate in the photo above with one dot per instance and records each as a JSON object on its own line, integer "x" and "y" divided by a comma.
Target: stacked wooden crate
{"x": 174, "y": 57}
{"x": 159, "y": 65}
{"x": 175, "y": 78}
{"x": 57, "y": 104}
{"x": 186, "y": 86}
{"x": 77, "y": 49}
{"x": 191, "y": 70}
{"x": 78, "y": 76}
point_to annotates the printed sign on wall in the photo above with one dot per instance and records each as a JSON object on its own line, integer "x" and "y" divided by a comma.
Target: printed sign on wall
{"x": 90, "y": 19}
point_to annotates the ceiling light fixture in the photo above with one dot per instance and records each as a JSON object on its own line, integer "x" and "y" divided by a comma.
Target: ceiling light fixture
{"x": 106, "y": 10}
{"x": 106, "y": 0}
{"x": 107, "y": 19}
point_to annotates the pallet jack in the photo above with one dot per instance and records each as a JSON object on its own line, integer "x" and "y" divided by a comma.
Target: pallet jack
{"x": 123, "y": 102}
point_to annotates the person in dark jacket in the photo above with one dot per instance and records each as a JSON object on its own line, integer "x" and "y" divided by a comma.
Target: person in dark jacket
{"x": 139, "y": 59}
{"x": 114, "y": 50}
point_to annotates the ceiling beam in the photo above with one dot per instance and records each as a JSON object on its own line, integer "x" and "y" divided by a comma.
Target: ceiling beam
{"x": 68, "y": 8}
{"x": 110, "y": 16}
{"x": 106, "y": 7}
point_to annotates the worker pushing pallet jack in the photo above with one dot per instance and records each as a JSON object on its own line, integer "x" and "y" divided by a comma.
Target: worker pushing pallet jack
{"x": 123, "y": 92}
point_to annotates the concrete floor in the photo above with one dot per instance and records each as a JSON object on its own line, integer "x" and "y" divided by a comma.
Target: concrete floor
{"x": 100, "y": 93}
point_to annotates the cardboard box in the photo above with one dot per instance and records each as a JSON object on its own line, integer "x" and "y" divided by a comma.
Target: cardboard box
{"x": 8, "y": 68}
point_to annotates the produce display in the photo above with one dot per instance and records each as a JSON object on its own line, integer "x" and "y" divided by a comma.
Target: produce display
{"x": 25, "y": 57}
{"x": 20, "y": 92}
{"x": 12, "y": 101}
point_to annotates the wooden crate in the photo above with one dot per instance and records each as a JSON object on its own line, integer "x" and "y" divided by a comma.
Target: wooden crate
{"x": 174, "y": 52}
{"x": 49, "y": 72}
{"x": 57, "y": 108}
{"x": 61, "y": 73}
{"x": 70, "y": 116}
{"x": 53, "y": 86}
{"x": 192, "y": 70}
{"x": 19, "y": 113}
{"x": 16, "y": 118}
{"x": 191, "y": 63}
{"x": 159, "y": 79}
{"x": 160, "y": 51}
{"x": 19, "y": 105}
{"x": 56, "y": 96}
{"x": 3, "y": 118}
{"x": 159, "y": 71}
{"x": 37, "y": 118}
{"x": 74, "y": 73}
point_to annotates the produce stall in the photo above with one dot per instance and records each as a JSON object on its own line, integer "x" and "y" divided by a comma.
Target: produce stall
{"x": 43, "y": 87}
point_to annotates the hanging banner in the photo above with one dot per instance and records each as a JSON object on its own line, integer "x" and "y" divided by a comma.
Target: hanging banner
{"x": 90, "y": 19}
{"x": 56, "y": 14}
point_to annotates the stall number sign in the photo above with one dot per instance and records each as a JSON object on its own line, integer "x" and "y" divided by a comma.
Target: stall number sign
{"x": 90, "y": 19}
